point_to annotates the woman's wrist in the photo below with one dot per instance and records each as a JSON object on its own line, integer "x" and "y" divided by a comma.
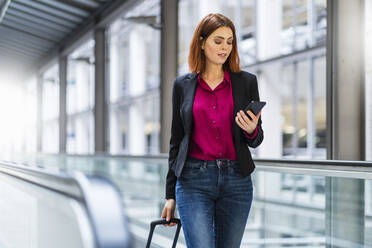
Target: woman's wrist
{"x": 252, "y": 135}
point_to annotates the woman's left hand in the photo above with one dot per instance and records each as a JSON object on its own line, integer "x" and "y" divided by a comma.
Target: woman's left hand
{"x": 245, "y": 123}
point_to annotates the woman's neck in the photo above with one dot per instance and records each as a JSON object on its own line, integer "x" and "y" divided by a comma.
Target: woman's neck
{"x": 213, "y": 72}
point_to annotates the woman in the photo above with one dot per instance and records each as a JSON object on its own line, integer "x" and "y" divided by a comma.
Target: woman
{"x": 209, "y": 160}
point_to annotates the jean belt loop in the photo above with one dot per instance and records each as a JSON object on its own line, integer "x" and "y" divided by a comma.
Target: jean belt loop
{"x": 218, "y": 163}
{"x": 205, "y": 164}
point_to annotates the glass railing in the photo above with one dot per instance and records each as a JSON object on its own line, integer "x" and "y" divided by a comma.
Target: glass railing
{"x": 296, "y": 203}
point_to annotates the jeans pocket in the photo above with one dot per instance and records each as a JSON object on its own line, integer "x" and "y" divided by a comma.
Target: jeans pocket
{"x": 190, "y": 171}
{"x": 235, "y": 171}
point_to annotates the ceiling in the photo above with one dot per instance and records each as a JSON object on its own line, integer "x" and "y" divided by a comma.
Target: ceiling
{"x": 30, "y": 29}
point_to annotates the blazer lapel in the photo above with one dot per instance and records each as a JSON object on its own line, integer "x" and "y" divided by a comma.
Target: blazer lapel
{"x": 189, "y": 95}
{"x": 238, "y": 97}
{"x": 237, "y": 91}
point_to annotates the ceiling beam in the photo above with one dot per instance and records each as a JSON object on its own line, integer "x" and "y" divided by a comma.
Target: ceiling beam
{"x": 37, "y": 20}
{"x": 4, "y": 4}
{"x": 21, "y": 57}
{"x": 4, "y": 31}
{"x": 88, "y": 3}
{"x": 66, "y": 8}
{"x": 15, "y": 28}
{"x": 34, "y": 27}
{"x": 78, "y": 5}
{"x": 24, "y": 43}
{"x": 40, "y": 7}
{"x": 19, "y": 51}
{"x": 43, "y": 14}
{"x": 22, "y": 46}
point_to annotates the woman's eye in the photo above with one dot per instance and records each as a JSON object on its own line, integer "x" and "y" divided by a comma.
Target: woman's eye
{"x": 219, "y": 42}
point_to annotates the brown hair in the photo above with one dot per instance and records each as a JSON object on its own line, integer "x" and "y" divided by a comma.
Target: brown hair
{"x": 207, "y": 26}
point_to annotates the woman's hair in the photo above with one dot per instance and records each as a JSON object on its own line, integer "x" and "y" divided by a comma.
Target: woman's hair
{"x": 207, "y": 26}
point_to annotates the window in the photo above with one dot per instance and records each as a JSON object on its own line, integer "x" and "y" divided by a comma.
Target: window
{"x": 134, "y": 71}
{"x": 80, "y": 100}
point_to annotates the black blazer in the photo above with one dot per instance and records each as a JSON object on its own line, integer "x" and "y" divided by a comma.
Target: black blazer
{"x": 244, "y": 90}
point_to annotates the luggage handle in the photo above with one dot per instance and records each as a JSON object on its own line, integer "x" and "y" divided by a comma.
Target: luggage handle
{"x": 161, "y": 222}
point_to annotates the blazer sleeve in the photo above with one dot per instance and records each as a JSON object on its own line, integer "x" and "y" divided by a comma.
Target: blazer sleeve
{"x": 257, "y": 140}
{"x": 177, "y": 133}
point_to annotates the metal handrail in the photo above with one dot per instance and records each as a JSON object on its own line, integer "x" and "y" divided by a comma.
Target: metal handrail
{"x": 331, "y": 168}
{"x": 60, "y": 183}
{"x": 336, "y": 168}
{"x": 110, "y": 227}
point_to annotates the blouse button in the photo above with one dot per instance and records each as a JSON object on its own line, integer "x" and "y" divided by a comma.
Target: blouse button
{"x": 214, "y": 107}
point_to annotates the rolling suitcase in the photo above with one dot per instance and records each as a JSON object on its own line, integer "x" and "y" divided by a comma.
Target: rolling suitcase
{"x": 161, "y": 222}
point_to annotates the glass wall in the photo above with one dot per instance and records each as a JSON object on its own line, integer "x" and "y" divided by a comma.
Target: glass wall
{"x": 80, "y": 100}
{"x": 289, "y": 209}
{"x": 283, "y": 43}
{"x": 50, "y": 110}
{"x": 134, "y": 71}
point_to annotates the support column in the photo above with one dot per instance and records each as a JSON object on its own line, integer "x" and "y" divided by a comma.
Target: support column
{"x": 345, "y": 120}
{"x": 268, "y": 33}
{"x": 311, "y": 133}
{"x": 311, "y": 20}
{"x": 168, "y": 70}
{"x": 137, "y": 87}
{"x": 100, "y": 106}
{"x": 168, "y": 73}
{"x": 115, "y": 140}
{"x": 62, "y": 103}
{"x": 368, "y": 71}
{"x": 39, "y": 106}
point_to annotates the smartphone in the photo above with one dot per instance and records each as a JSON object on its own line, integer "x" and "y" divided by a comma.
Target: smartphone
{"x": 255, "y": 107}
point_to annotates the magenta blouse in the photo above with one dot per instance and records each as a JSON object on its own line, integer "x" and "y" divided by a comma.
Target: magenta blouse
{"x": 213, "y": 113}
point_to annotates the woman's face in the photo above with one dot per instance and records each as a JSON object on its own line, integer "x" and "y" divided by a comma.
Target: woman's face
{"x": 218, "y": 45}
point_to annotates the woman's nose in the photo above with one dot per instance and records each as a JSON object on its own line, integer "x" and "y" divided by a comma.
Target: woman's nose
{"x": 224, "y": 46}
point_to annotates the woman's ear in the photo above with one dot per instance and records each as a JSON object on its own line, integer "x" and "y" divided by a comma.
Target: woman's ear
{"x": 202, "y": 41}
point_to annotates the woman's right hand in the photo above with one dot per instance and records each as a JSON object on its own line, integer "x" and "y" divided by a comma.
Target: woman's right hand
{"x": 168, "y": 211}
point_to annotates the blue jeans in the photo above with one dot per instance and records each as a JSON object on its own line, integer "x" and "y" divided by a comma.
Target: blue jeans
{"x": 213, "y": 202}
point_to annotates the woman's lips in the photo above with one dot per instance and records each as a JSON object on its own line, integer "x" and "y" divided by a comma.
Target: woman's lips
{"x": 222, "y": 55}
